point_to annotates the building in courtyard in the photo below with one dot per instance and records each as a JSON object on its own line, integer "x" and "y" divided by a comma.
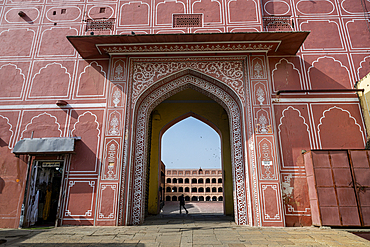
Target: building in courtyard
{"x": 89, "y": 87}
{"x": 195, "y": 185}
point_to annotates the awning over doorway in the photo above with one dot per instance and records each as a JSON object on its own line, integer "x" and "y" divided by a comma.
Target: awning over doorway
{"x": 274, "y": 43}
{"x": 53, "y": 145}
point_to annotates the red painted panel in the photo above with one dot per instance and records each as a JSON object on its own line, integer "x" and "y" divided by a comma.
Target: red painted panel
{"x": 320, "y": 159}
{"x": 88, "y": 127}
{"x": 270, "y": 198}
{"x": 164, "y": 10}
{"x": 53, "y": 42}
{"x": 339, "y": 159}
{"x": 366, "y": 214}
{"x": 135, "y": 13}
{"x": 242, "y": 11}
{"x": 286, "y": 74}
{"x": 360, "y": 159}
{"x": 291, "y": 145}
{"x": 323, "y": 177}
{"x": 276, "y": 8}
{"x": 107, "y": 203}
{"x": 43, "y": 124}
{"x": 24, "y": 38}
{"x": 331, "y": 216}
{"x": 17, "y": 74}
{"x": 346, "y": 197}
{"x": 363, "y": 176}
{"x": 307, "y": 7}
{"x": 91, "y": 78}
{"x": 350, "y": 216}
{"x": 211, "y": 10}
{"x": 62, "y": 78}
{"x": 342, "y": 177}
{"x": 80, "y": 196}
{"x": 325, "y": 34}
{"x": 327, "y": 197}
{"x": 343, "y": 119}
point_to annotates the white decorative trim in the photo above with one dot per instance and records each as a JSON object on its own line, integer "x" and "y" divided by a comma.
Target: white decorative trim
{"x": 24, "y": 79}
{"x": 279, "y": 132}
{"x": 313, "y": 100}
{"x": 84, "y": 71}
{"x": 350, "y": 116}
{"x": 53, "y": 106}
{"x": 10, "y": 129}
{"x": 45, "y": 113}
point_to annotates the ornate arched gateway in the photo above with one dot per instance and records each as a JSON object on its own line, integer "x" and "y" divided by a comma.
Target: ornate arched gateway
{"x": 154, "y": 95}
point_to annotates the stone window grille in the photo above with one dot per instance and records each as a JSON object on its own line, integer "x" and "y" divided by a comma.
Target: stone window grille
{"x": 278, "y": 23}
{"x": 100, "y": 24}
{"x": 187, "y": 20}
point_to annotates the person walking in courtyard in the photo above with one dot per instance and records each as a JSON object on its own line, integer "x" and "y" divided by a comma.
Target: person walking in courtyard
{"x": 182, "y": 203}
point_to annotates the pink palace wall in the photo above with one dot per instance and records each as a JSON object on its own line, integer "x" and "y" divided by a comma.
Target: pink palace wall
{"x": 39, "y": 66}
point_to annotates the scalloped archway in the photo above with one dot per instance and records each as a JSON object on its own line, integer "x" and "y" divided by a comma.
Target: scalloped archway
{"x": 152, "y": 97}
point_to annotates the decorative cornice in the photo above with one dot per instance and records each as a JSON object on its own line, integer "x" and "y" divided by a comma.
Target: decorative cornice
{"x": 238, "y": 47}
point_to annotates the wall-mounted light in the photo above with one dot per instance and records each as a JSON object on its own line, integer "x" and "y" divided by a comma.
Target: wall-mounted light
{"x": 61, "y": 103}
{"x": 21, "y": 14}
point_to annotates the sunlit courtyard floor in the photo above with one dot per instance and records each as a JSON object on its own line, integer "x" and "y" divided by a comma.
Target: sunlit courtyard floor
{"x": 215, "y": 208}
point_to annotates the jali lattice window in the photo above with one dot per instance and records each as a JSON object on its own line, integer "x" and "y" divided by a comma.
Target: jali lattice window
{"x": 100, "y": 24}
{"x": 187, "y": 20}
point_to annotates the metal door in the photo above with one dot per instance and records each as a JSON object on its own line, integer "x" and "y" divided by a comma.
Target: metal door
{"x": 360, "y": 167}
{"x": 342, "y": 186}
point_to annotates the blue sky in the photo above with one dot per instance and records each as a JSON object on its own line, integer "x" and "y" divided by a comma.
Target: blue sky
{"x": 191, "y": 144}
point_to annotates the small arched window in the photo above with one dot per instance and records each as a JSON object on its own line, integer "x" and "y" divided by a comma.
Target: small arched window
{"x": 174, "y": 189}
{"x": 187, "y": 189}
{"x": 168, "y": 180}
{"x": 208, "y": 189}
{"x": 201, "y": 198}
{"x": 220, "y": 180}
{"x": 214, "y": 189}
{"x": 200, "y": 181}
{"x": 174, "y": 180}
{"x": 181, "y": 180}
{"x": 219, "y": 189}
{"x": 174, "y": 198}
{"x": 214, "y": 198}
{"x": 168, "y": 189}
{"x": 194, "y": 181}
{"x": 168, "y": 198}
{"x": 213, "y": 180}
{"x": 194, "y": 189}
{"x": 186, "y": 180}
{"x": 181, "y": 189}
{"x": 208, "y": 181}
{"x": 200, "y": 190}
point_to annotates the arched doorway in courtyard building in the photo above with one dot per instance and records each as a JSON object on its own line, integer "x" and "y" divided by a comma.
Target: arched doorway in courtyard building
{"x": 143, "y": 184}
{"x": 206, "y": 181}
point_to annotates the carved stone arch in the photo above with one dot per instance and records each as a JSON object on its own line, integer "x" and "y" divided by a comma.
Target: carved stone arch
{"x": 153, "y": 96}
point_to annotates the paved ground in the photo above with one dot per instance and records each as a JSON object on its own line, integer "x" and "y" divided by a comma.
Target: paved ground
{"x": 172, "y": 229}
{"x": 215, "y": 208}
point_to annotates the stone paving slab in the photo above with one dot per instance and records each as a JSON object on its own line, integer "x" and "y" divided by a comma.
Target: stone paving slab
{"x": 182, "y": 231}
